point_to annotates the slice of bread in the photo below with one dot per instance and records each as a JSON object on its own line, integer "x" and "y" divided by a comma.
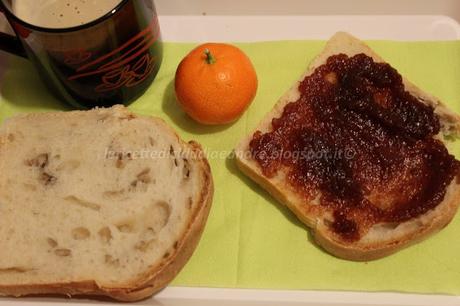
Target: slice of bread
{"x": 381, "y": 239}
{"x": 99, "y": 202}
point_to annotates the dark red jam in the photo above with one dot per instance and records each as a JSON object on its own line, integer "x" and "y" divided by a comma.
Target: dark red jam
{"x": 360, "y": 140}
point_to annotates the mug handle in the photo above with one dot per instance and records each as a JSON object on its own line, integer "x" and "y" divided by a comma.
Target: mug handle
{"x": 10, "y": 43}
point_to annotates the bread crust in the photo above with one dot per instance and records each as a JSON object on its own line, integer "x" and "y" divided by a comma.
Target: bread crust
{"x": 160, "y": 275}
{"x": 367, "y": 248}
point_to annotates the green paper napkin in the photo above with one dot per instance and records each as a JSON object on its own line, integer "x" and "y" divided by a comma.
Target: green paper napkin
{"x": 251, "y": 241}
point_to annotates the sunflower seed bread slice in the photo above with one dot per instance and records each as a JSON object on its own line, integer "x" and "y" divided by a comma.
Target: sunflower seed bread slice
{"x": 382, "y": 239}
{"x": 100, "y": 202}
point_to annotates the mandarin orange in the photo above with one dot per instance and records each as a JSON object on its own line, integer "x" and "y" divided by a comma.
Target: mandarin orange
{"x": 215, "y": 83}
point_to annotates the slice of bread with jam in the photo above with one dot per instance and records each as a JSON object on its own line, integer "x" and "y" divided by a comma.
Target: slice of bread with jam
{"x": 358, "y": 153}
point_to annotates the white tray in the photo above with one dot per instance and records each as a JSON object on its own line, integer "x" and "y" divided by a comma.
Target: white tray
{"x": 261, "y": 20}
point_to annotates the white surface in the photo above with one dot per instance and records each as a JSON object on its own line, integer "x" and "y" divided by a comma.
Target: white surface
{"x": 258, "y": 20}
{"x": 177, "y": 296}
{"x": 295, "y": 27}
{"x": 309, "y": 7}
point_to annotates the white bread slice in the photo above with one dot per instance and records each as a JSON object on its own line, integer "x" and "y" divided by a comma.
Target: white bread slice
{"x": 99, "y": 202}
{"x": 382, "y": 239}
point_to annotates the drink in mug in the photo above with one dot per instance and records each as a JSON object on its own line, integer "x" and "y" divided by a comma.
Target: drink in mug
{"x": 89, "y": 52}
{"x": 61, "y": 13}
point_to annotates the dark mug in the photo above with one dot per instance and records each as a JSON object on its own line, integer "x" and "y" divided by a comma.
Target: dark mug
{"x": 110, "y": 60}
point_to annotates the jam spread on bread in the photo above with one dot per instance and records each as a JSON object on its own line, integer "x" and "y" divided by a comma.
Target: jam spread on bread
{"x": 359, "y": 145}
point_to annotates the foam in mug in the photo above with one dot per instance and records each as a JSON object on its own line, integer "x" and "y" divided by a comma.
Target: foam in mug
{"x": 61, "y": 13}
